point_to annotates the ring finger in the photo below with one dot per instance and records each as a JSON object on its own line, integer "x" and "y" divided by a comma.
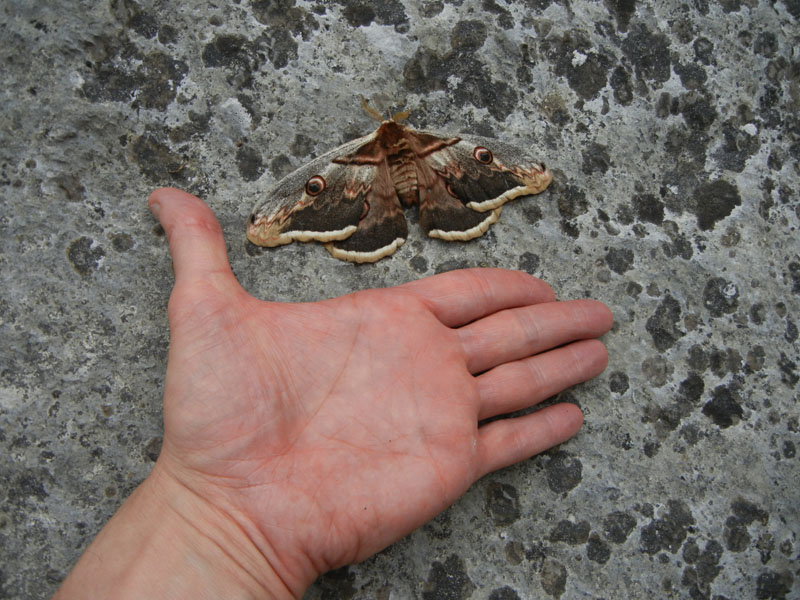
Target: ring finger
{"x": 523, "y": 383}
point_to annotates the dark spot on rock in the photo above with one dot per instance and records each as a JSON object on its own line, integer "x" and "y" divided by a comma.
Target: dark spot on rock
{"x": 731, "y": 6}
{"x": 657, "y": 370}
{"x": 725, "y": 361}
{"x": 598, "y": 550}
{"x": 617, "y": 526}
{"x": 771, "y": 585}
{"x": 793, "y": 6}
{"x": 649, "y": 209}
{"x": 281, "y": 47}
{"x": 452, "y": 265}
{"x": 633, "y": 289}
{"x": 431, "y": 8}
{"x": 155, "y": 160}
{"x": 504, "y": 593}
{"x": 768, "y": 103}
{"x": 504, "y": 18}
{"x": 280, "y": 166}
{"x": 468, "y": 35}
{"x": 570, "y": 228}
{"x": 428, "y": 72}
{"x": 572, "y": 202}
{"x": 789, "y": 449}
{"x": 419, "y": 263}
{"x": 121, "y": 242}
{"x": 619, "y": 260}
{"x": 679, "y": 244}
{"x": 249, "y": 163}
{"x": 794, "y": 275}
{"x": 233, "y": 52}
{"x": 284, "y": 14}
{"x": 554, "y": 109}
{"x": 569, "y": 532}
{"x": 144, "y": 24}
{"x": 71, "y": 185}
{"x": 575, "y": 58}
{"x": 766, "y": 44}
{"x": 723, "y": 408}
{"x": 595, "y": 159}
{"x": 358, "y": 14}
{"x": 197, "y": 124}
{"x": 692, "y": 76}
{"x": 625, "y": 214}
{"x": 440, "y": 528}
{"x": 621, "y": 84}
{"x": 84, "y": 254}
{"x": 737, "y": 147}
{"x": 529, "y": 262}
{"x": 704, "y": 567}
{"x": 553, "y": 577}
{"x": 338, "y": 583}
{"x": 158, "y": 78}
{"x": 766, "y": 546}
{"x": 623, "y": 11}
{"x": 167, "y": 34}
{"x": 392, "y": 12}
{"x": 618, "y": 382}
{"x": 448, "y": 580}
{"x": 502, "y": 502}
{"x": 790, "y": 335}
{"x": 112, "y": 77}
{"x": 690, "y": 392}
{"x": 747, "y": 512}
{"x": 703, "y": 50}
{"x": 589, "y": 75}
{"x": 302, "y": 146}
{"x": 564, "y": 472}
{"x": 27, "y": 486}
{"x": 697, "y": 110}
{"x": 663, "y": 324}
{"x": 788, "y": 368}
{"x": 665, "y": 106}
{"x": 514, "y": 552}
{"x": 758, "y": 313}
{"x": 251, "y": 105}
{"x": 720, "y": 297}
{"x": 668, "y": 532}
{"x": 688, "y": 149}
{"x": 649, "y": 53}
{"x": 756, "y": 358}
{"x": 152, "y": 448}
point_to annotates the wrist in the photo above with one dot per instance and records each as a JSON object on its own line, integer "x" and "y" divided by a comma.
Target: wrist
{"x": 166, "y": 541}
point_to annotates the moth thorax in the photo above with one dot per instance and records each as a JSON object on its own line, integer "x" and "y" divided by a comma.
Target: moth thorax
{"x": 404, "y": 177}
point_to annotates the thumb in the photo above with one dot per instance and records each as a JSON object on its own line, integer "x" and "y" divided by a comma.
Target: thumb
{"x": 194, "y": 235}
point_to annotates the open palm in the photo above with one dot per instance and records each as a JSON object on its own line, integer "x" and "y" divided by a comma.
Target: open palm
{"x": 328, "y": 430}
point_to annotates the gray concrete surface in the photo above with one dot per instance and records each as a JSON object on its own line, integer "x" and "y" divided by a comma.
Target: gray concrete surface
{"x": 674, "y": 137}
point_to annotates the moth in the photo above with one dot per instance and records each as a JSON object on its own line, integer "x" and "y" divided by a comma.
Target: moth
{"x": 353, "y": 198}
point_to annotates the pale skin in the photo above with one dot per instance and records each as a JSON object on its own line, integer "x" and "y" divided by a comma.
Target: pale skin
{"x": 302, "y": 437}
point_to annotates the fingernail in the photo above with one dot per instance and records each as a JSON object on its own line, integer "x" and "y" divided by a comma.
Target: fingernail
{"x": 155, "y": 208}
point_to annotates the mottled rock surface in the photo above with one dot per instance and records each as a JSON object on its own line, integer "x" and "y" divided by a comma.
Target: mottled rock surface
{"x": 674, "y": 137}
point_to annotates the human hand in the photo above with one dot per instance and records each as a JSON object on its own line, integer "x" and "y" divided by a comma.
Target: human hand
{"x": 313, "y": 435}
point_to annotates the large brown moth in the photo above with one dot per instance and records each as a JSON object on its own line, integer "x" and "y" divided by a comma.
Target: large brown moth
{"x": 352, "y": 197}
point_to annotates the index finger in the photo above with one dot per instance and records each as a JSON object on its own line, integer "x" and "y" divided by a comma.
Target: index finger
{"x": 460, "y": 297}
